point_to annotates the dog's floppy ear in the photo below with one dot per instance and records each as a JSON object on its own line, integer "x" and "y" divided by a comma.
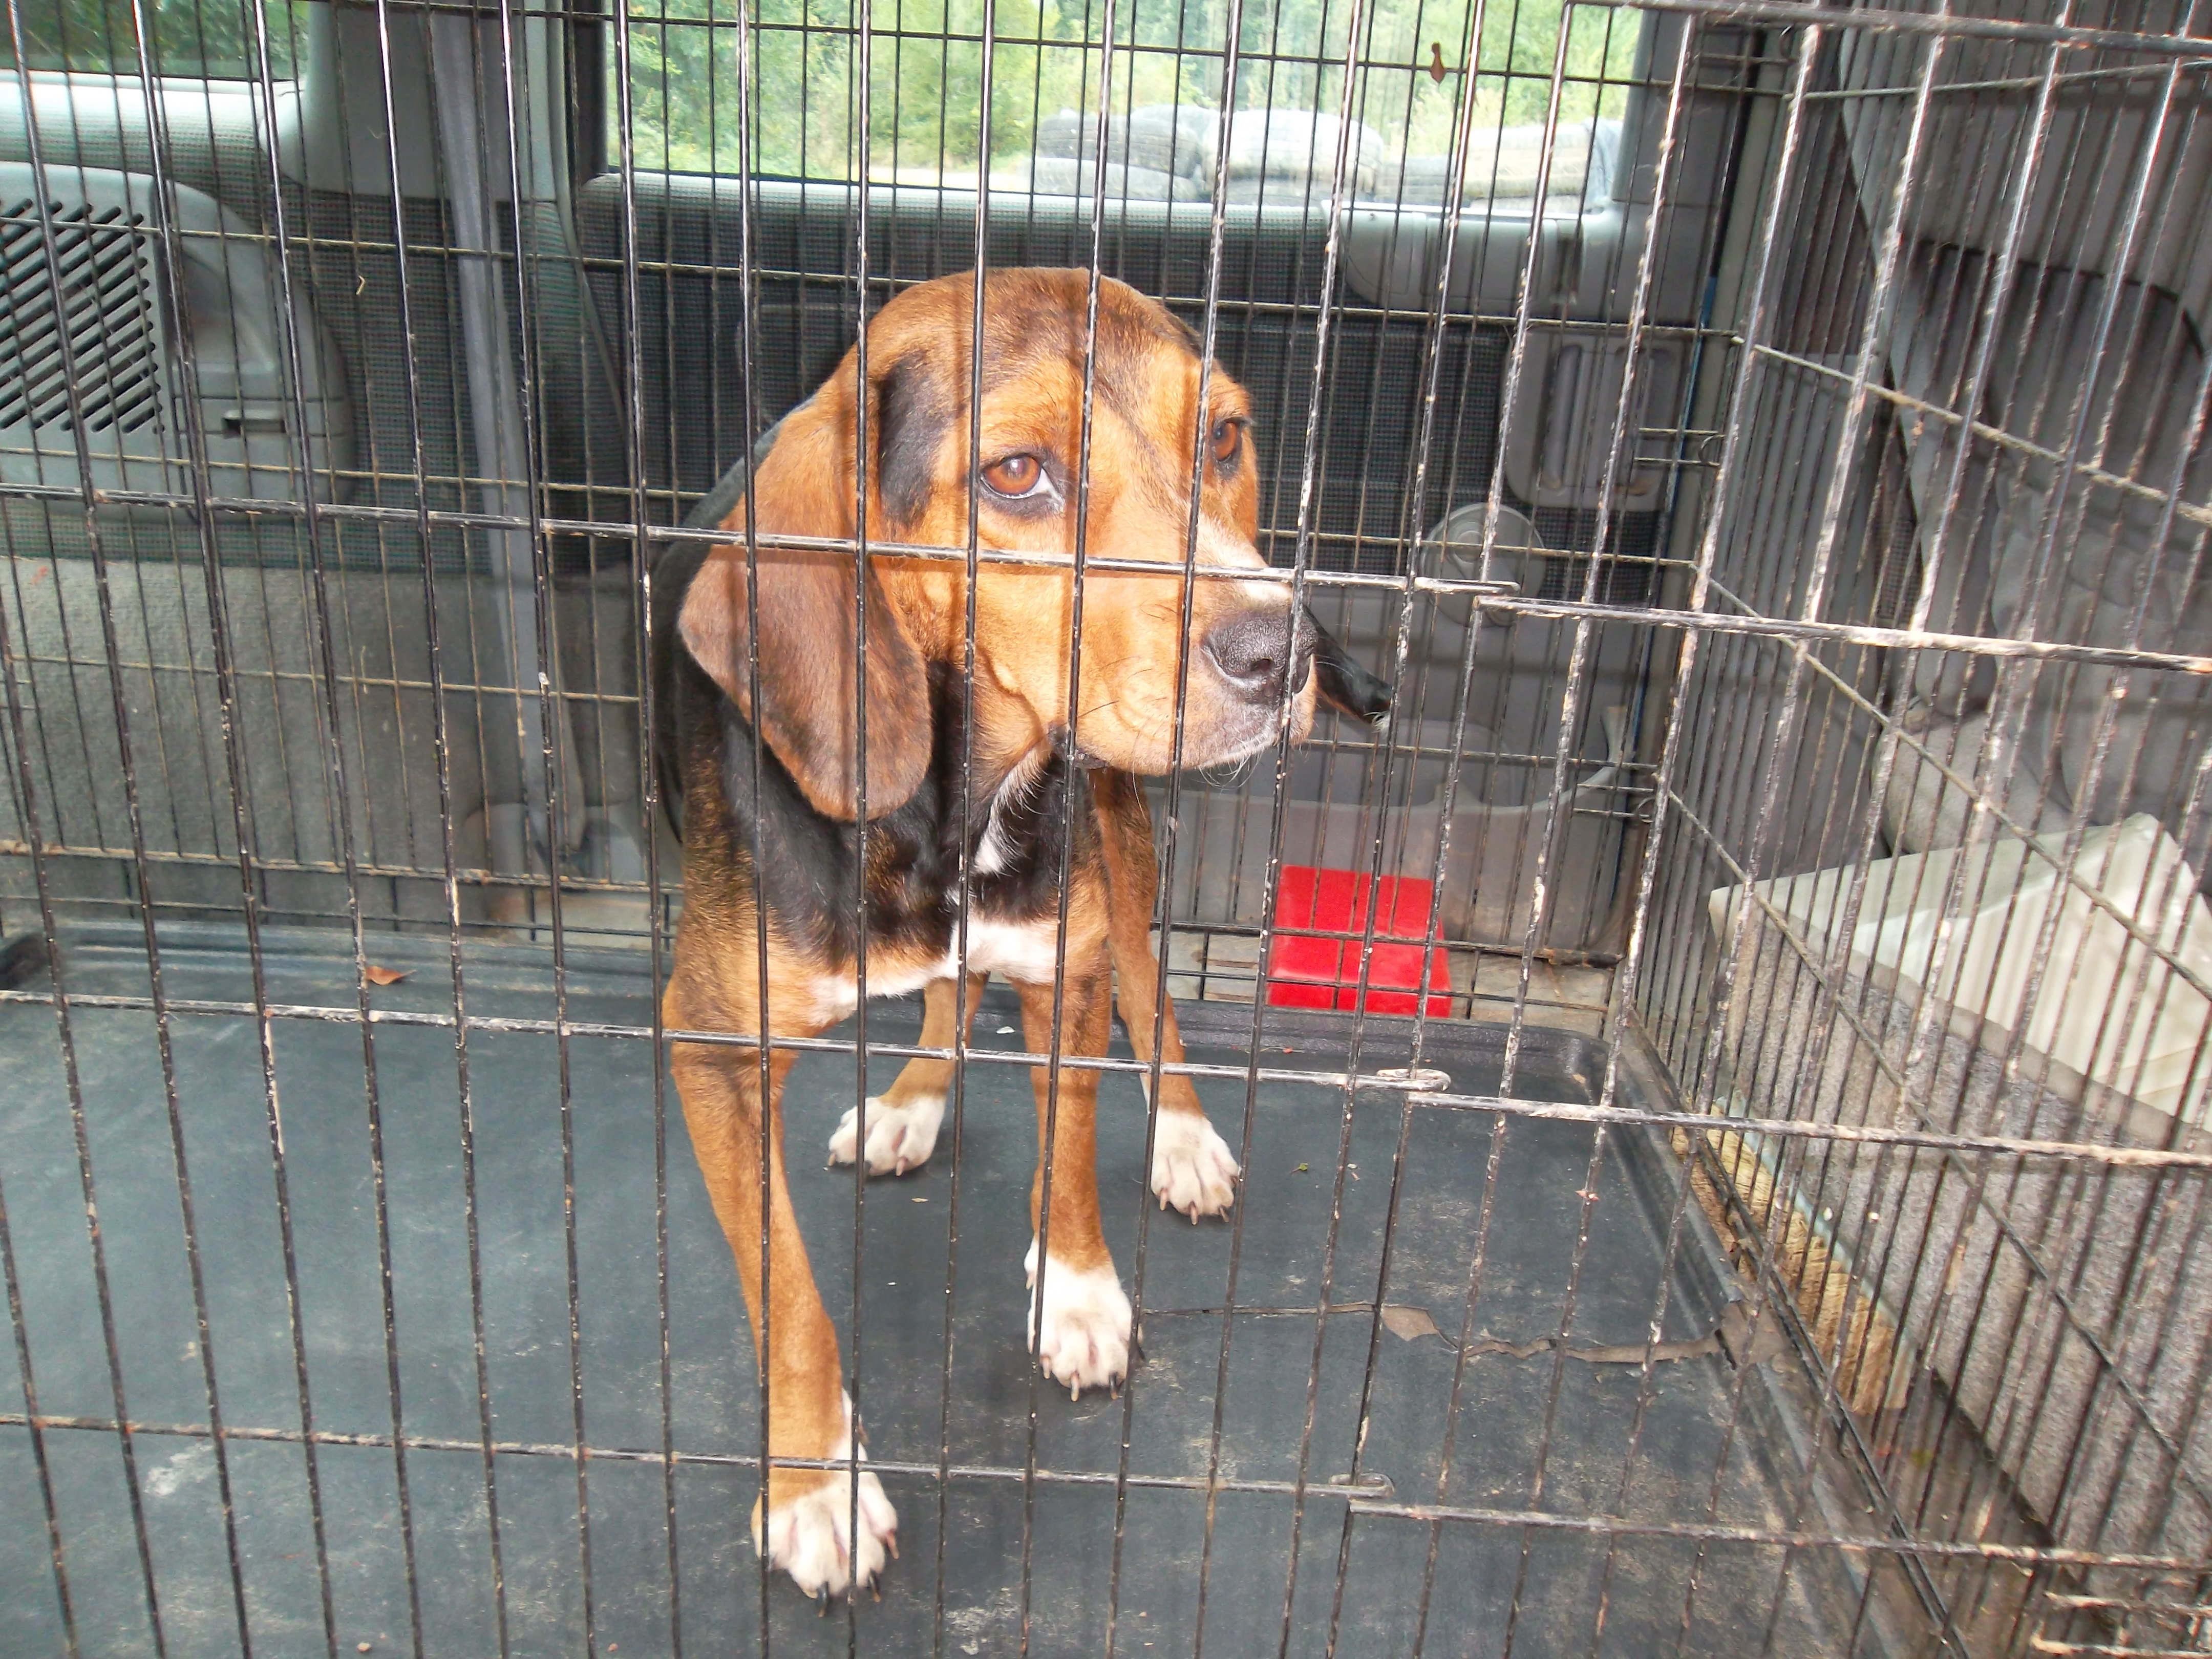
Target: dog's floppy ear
{"x": 1344, "y": 684}
{"x": 808, "y": 713}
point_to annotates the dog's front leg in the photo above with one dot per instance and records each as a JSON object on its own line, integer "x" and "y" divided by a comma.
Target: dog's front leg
{"x": 1079, "y": 1317}
{"x": 1193, "y": 1169}
{"x": 806, "y": 1528}
{"x": 904, "y": 1120}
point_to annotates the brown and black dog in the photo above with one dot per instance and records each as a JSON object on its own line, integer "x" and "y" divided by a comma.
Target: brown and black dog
{"x": 796, "y": 811}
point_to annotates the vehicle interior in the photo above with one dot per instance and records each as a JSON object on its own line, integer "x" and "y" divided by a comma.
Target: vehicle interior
{"x": 1760, "y": 446}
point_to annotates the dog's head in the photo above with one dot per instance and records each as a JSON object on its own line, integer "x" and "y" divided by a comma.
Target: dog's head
{"x": 1244, "y": 648}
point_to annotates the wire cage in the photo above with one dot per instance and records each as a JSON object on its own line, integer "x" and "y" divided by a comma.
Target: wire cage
{"x": 1719, "y": 1072}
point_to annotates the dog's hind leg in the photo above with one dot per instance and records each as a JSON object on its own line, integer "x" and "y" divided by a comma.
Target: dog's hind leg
{"x": 904, "y": 1120}
{"x": 1193, "y": 1169}
{"x": 807, "y": 1527}
{"x": 1079, "y": 1317}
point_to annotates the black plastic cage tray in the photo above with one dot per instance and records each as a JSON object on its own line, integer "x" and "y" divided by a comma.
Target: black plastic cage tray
{"x": 1708, "y": 1474}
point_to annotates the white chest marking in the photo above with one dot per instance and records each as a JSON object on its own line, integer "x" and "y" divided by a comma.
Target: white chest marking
{"x": 1025, "y": 952}
{"x": 997, "y": 844}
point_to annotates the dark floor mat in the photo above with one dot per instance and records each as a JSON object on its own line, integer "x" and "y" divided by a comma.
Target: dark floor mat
{"x": 1260, "y": 1398}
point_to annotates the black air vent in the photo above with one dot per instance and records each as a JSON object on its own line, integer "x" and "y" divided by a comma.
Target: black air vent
{"x": 107, "y": 307}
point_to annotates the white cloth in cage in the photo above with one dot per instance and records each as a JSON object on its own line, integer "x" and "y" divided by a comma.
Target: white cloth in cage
{"x": 2112, "y": 1005}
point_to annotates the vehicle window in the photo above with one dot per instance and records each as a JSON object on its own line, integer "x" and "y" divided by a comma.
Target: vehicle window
{"x": 1163, "y": 128}
{"x": 193, "y": 39}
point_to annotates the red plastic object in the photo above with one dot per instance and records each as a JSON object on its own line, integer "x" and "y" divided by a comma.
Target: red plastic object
{"x": 1324, "y": 973}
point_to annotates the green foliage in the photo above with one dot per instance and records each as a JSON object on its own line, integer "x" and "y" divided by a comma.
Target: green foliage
{"x": 192, "y": 38}
{"x": 927, "y": 71}
{"x": 925, "y": 92}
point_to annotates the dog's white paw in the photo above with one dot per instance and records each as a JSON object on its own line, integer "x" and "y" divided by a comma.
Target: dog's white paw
{"x": 1082, "y": 1335}
{"x": 1192, "y": 1169}
{"x": 810, "y": 1537}
{"x": 900, "y": 1138}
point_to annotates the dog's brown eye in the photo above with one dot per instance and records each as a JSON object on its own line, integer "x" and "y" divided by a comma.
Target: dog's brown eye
{"x": 1228, "y": 434}
{"x": 1017, "y": 475}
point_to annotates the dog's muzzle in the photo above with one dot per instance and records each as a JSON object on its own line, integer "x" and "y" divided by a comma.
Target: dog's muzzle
{"x": 1264, "y": 654}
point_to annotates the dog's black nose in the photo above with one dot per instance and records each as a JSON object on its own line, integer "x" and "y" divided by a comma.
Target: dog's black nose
{"x": 1255, "y": 649}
